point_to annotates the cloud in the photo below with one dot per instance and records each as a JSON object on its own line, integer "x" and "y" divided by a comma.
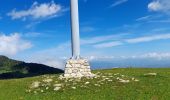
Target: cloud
{"x": 37, "y": 11}
{"x": 12, "y": 44}
{"x": 155, "y": 6}
{"x": 54, "y": 57}
{"x": 160, "y": 6}
{"x": 155, "y": 55}
{"x": 144, "y": 18}
{"x": 151, "y": 55}
{"x": 108, "y": 44}
{"x": 87, "y": 29}
{"x": 105, "y": 44}
{"x": 119, "y": 2}
{"x": 46, "y": 59}
{"x": 100, "y": 39}
{"x": 149, "y": 38}
{"x": 32, "y": 24}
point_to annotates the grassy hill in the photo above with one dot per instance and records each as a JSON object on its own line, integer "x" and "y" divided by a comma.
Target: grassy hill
{"x": 10, "y": 68}
{"x": 140, "y": 84}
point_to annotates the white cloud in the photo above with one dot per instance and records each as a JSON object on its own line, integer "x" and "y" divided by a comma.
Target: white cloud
{"x": 160, "y": 6}
{"x": 37, "y": 11}
{"x": 118, "y": 3}
{"x": 108, "y": 44}
{"x": 155, "y": 6}
{"x": 143, "y": 18}
{"x": 46, "y": 59}
{"x": 156, "y": 55}
{"x": 149, "y": 38}
{"x": 98, "y": 39}
{"x": 111, "y": 43}
{"x": 150, "y": 55}
{"x": 54, "y": 57}
{"x": 12, "y": 44}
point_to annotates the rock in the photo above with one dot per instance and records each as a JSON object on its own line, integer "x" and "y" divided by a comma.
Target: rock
{"x": 66, "y": 75}
{"x": 77, "y": 68}
{"x": 68, "y": 65}
{"x": 136, "y": 80}
{"x": 124, "y": 81}
{"x": 48, "y": 80}
{"x": 57, "y": 88}
{"x": 150, "y": 74}
{"x": 69, "y": 71}
{"x": 87, "y": 83}
{"x": 35, "y": 85}
{"x": 57, "y": 85}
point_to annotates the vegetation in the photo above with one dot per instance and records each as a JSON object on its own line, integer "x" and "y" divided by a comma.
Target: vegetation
{"x": 143, "y": 84}
{"x": 10, "y": 68}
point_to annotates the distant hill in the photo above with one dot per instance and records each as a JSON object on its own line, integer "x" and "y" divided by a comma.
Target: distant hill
{"x": 10, "y": 68}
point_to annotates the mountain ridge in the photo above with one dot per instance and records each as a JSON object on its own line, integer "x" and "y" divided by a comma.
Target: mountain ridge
{"x": 10, "y": 68}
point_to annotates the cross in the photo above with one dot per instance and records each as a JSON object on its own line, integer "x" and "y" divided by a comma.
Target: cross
{"x": 76, "y": 67}
{"x": 75, "y": 37}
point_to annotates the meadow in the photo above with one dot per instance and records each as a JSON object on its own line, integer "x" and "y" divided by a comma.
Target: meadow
{"x": 109, "y": 84}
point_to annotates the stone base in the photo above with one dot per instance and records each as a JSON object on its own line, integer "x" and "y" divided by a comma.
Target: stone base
{"x": 77, "y": 68}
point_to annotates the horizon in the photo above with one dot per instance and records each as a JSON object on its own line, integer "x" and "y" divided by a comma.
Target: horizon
{"x": 114, "y": 33}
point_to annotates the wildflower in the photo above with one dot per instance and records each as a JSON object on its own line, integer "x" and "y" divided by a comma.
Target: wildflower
{"x": 122, "y": 75}
{"x": 73, "y": 87}
{"x": 47, "y": 88}
{"x": 87, "y": 82}
{"x": 42, "y": 90}
{"x": 28, "y": 91}
{"x": 133, "y": 78}
{"x": 35, "y": 92}
{"x": 117, "y": 74}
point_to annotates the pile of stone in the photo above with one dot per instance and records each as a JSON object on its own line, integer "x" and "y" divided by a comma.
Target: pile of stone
{"x": 77, "y": 68}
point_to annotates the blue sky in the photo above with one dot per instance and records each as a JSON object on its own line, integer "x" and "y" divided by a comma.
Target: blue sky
{"x": 115, "y": 32}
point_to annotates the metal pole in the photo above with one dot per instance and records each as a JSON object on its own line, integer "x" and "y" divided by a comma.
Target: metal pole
{"x": 75, "y": 38}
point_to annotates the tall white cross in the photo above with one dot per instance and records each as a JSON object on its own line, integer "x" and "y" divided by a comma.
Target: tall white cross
{"x": 75, "y": 37}
{"x": 76, "y": 67}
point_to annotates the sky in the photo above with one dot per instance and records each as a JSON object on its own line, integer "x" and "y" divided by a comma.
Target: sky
{"x": 113, "y": 33}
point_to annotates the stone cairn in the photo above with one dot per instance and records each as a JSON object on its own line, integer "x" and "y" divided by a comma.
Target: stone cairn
{"x": 76, "y": 68}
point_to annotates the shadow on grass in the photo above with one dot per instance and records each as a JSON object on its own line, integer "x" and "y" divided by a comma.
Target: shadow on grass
{"x": 23, "y": 70}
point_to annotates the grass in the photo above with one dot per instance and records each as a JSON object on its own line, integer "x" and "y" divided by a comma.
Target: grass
{"x": 147, "y": 88}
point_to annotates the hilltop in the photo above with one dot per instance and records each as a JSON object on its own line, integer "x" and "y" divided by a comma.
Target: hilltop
{"x": 111, "y": 84}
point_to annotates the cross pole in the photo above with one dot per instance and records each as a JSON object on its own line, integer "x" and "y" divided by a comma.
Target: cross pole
{"x": 75, "y": 37}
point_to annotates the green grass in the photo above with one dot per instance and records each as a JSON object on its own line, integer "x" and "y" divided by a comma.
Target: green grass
{"x": 148, "y": 88}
